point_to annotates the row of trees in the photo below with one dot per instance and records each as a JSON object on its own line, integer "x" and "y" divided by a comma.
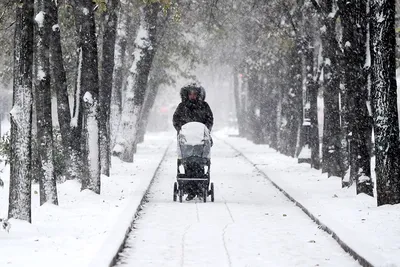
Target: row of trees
{"x": 104, "y": 62}
{"x": 288, "y": 53}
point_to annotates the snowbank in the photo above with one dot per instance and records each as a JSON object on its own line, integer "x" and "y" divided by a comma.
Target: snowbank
{"x": 372, "y": 232}
{"x": 85, "y": 226}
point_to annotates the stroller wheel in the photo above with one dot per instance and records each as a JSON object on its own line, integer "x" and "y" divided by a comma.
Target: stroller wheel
{"x": 180, "y": 195}
{"x": 212, "y": 192}
{"x": 204, "y": 195}
{"x": 175, "y": 191}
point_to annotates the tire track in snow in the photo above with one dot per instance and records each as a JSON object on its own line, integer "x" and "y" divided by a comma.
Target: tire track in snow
{"x": 184, "y": 236}
{"x": 183, "y": 246}
{"x": 224, "y": 232}
{"x": 229, "y": 210}
{"x": 225, "y": 246}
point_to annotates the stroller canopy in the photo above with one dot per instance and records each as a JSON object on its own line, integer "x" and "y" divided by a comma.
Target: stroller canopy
{"x": 194, "y": 139}
{"x": 194, "y": 133}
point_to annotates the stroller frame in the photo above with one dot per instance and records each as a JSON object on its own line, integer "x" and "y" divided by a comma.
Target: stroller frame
{"x": 194, "y": 178}
{"x": 194, "y": 157}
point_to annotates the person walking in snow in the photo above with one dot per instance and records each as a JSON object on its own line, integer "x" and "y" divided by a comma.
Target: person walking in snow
{"x": 193, "y": 108}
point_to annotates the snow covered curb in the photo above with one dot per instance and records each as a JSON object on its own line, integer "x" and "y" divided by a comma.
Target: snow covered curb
{"x": 360, "y": 257}
{"x": 107, "y": 255}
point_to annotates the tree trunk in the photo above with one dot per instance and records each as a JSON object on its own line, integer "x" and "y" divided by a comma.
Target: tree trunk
{"x": 77, "y": 123}
{"x": 19, "y": 206}
{"x": 303, "y": 44}
{"x": 280, "y": 121}
{"x": 314, "y": 131}
{"x": 144, "y": 117}
{"x": 77, "y": 114}
{"x": 47, "y": 177}
{"x": 355, "y": 83}
{"x": 331, "y": 147}
{"x": 137, "y": 83}
{"x": 384, "y": 100}
{"x": 149, "y": 100}
{"x": 313, "y": 86}
{"x": 238, "y": 107}
{"x": 251, "y": 111}
{"x": 59, "y": 79}
{"x": 124, "y": 21}
{"x": 107, "y": 70}
{"x": 243, "y": 99}
{"x": 89, "y": 86}
{"x": 298, "y": 103}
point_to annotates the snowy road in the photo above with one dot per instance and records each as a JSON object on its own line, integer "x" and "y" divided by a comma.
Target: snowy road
{"x": 250, "y": 224}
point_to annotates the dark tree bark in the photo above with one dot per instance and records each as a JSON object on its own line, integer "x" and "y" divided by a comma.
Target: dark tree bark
{"x": 313, "y": 74}
{"x": 47, "y": 177}
{"x": 331, "y": 146}
{"x": 353, "y": 17}
{"x": 384, "y": 100}
{"x": 298, "y": 101}
{"x": 21, "y": 114}
{"x": 137, "y": 83}
{"x": 302, "y": 116}
{"x": 59, "y": 82}
{"x": 88, "y": 84}
{"x": 107, "y": 70}
{"x": 314, "y": 131}
{"x": 287, "y": 133}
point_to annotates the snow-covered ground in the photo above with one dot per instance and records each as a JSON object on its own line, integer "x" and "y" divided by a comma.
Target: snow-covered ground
{"x": 373, "y": 232}
{"x": 72, "y": 233}
{"x": 250, "y": 224}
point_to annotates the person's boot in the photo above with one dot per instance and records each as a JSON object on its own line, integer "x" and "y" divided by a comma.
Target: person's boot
{"x": 190, "y": 196}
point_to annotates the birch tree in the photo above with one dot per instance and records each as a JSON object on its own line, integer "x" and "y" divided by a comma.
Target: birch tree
{"x": 120, "y": 65}
{"x": 137, "y": 82}
{"x": 21, "y": 114}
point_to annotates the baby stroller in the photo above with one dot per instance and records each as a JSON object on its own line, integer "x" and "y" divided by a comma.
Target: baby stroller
{"x": 193, "y": 164}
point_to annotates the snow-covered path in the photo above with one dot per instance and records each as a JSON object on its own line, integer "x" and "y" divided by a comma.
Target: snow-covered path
{"x": 250, "y": 224}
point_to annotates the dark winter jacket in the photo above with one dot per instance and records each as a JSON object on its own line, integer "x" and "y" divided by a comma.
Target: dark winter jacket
{"x": 198, "y": 111}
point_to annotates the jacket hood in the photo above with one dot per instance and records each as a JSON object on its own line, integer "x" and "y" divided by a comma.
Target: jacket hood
{"x": 201, "y": 92}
